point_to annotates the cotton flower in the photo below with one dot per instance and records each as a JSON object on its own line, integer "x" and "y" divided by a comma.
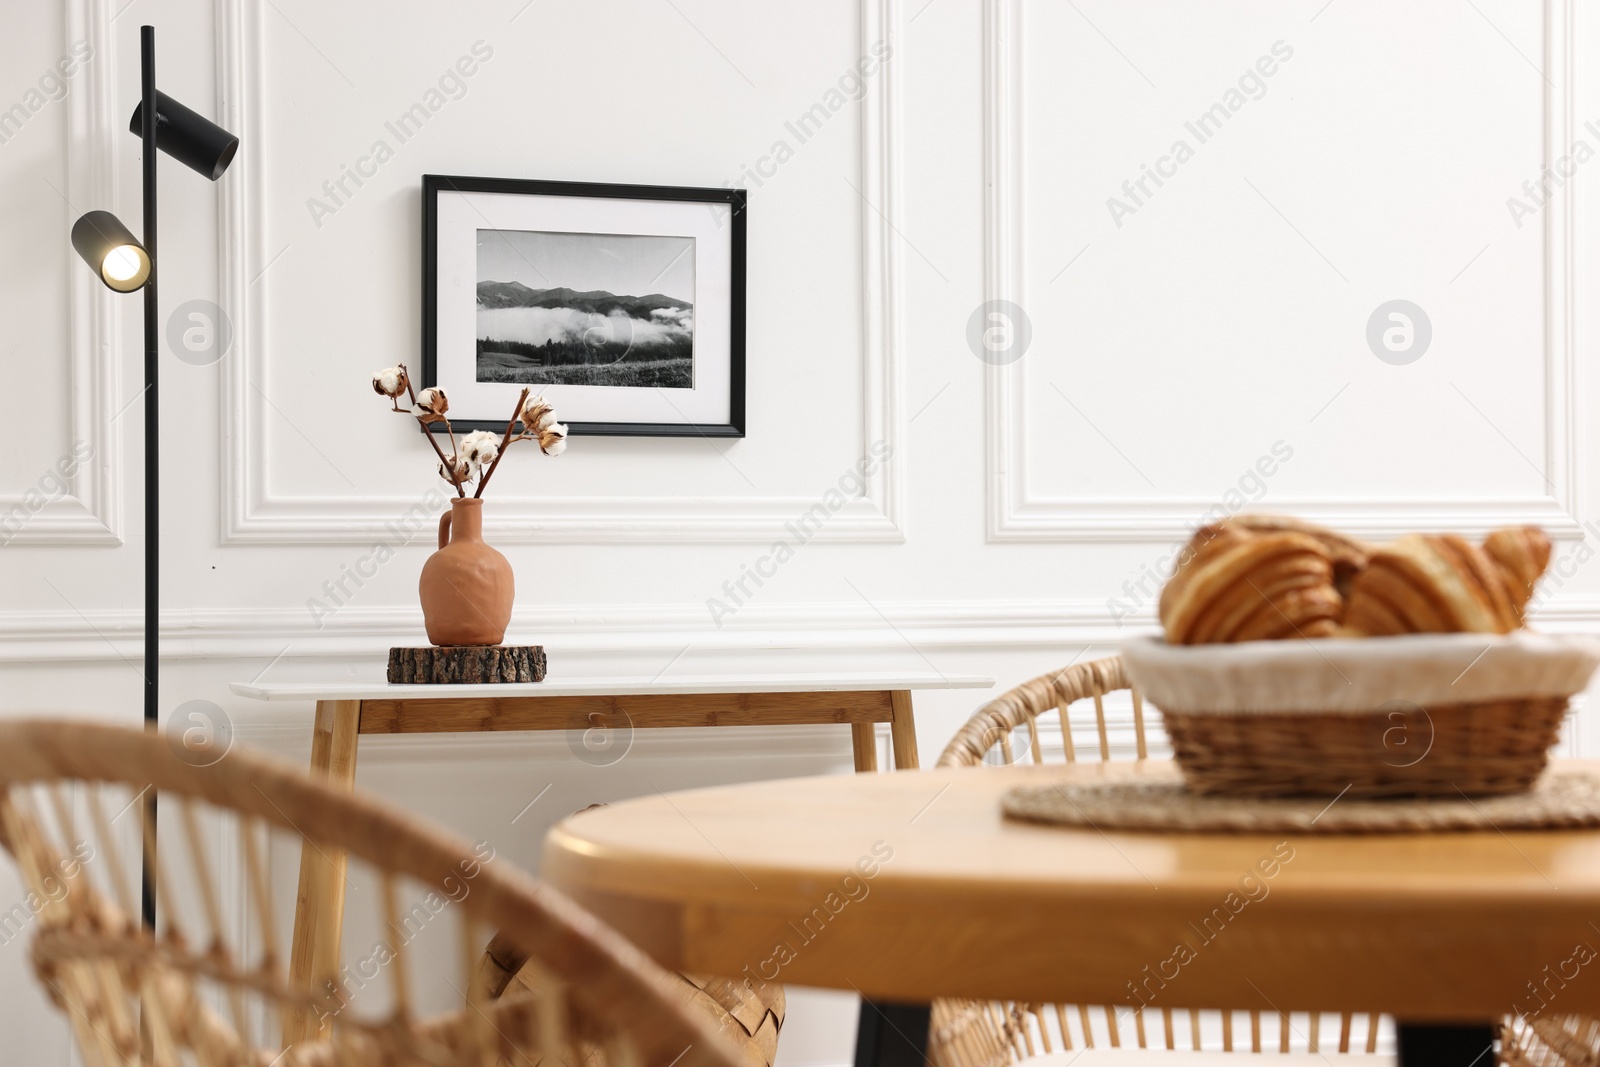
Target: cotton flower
{"x": 553, "y": 439}
{"x": 389, "y": 382}
{"x": 479, "y": 448}
{"x": 431, "y": 405}
{"x": 463, "y": 471}
{"x": 536, "y": 415}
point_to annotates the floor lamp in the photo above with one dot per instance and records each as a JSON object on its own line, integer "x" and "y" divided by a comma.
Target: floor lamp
{"x": 125, "y": 264}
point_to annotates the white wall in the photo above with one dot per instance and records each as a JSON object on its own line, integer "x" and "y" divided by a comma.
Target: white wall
{"x": 1226, "y": 313}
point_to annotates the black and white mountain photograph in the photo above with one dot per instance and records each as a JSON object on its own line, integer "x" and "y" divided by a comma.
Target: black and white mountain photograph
{"x": 585, "y": 309}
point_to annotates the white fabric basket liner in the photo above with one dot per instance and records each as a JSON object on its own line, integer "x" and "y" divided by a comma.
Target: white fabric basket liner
{"x": 1358, "y": 675}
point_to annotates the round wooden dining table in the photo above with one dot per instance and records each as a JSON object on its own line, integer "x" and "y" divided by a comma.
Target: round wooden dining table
{"x": 912, "y": 886}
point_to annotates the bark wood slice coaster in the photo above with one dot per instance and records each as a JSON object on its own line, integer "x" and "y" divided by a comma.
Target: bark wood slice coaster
{"x": 435, "y": 665}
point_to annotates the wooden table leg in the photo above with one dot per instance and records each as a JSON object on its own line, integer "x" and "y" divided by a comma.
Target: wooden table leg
{"x": 903, "y": 731}
{"x": 892, "y": 1035}
{"x": 864, "y": 739}
{"x": 319, "y": 905}
{"x": 1433, "y": 1045}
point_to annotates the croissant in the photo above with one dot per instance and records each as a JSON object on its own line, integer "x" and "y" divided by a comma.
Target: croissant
{"x": 1348, "y": 554}
{"x": 1440, "y": 583}
{"x": 1237, "y": 584}
{"x": 1523, "y": 553}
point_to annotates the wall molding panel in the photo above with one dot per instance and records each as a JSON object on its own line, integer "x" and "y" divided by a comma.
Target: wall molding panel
{"x": 253, "y": 511}
{"x": 364, "y": 635}
{"x": 90, "y": 513}
{"x": 1014, "y": 514}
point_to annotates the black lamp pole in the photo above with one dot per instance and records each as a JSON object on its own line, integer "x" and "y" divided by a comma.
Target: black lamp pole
{"x": 125, "y": 264}
{"x": 148, "y": 115}
{"x": 152, "y": 406}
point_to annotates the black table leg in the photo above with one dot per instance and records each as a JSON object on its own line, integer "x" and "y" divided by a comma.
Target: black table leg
{"x": 895, "y": 1035}
{"x": 1445, "y": 1046}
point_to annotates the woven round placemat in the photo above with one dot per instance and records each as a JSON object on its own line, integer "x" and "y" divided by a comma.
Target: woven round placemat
{"x": 1561, "y": 800}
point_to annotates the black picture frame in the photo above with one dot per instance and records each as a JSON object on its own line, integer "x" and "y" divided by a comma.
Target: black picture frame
{"x": 737, "y": 202}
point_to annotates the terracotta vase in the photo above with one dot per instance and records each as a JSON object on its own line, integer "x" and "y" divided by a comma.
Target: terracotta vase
{"x": 466, "y": 586}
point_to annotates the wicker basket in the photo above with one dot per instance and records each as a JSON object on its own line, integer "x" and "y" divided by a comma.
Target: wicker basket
{"x": 1480, "y": 749}
{"x": 1424, "y": 715}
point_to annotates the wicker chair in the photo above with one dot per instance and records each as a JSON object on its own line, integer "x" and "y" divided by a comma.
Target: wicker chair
{"x": 1560, "y": 1041}
{"x": 749, "y": 1014}
{"x": 211, "y": 987}
{"x": 977, "y": 1034}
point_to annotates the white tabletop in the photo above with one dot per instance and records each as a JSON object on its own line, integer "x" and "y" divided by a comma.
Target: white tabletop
{"x": 614, "y": 686}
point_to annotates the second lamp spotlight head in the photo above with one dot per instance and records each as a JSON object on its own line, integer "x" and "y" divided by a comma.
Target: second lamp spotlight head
{"x": 189, "y": 137}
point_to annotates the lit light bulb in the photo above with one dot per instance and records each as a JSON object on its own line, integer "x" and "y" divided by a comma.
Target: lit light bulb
{"x": 121, "y": 263}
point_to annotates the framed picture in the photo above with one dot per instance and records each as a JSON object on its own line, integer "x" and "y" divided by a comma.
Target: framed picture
{"x": 622, "y": 304}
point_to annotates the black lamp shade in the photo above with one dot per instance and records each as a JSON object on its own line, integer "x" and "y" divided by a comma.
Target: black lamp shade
{"x": 189, "y": 137}
{"x": 111, "y": 250}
